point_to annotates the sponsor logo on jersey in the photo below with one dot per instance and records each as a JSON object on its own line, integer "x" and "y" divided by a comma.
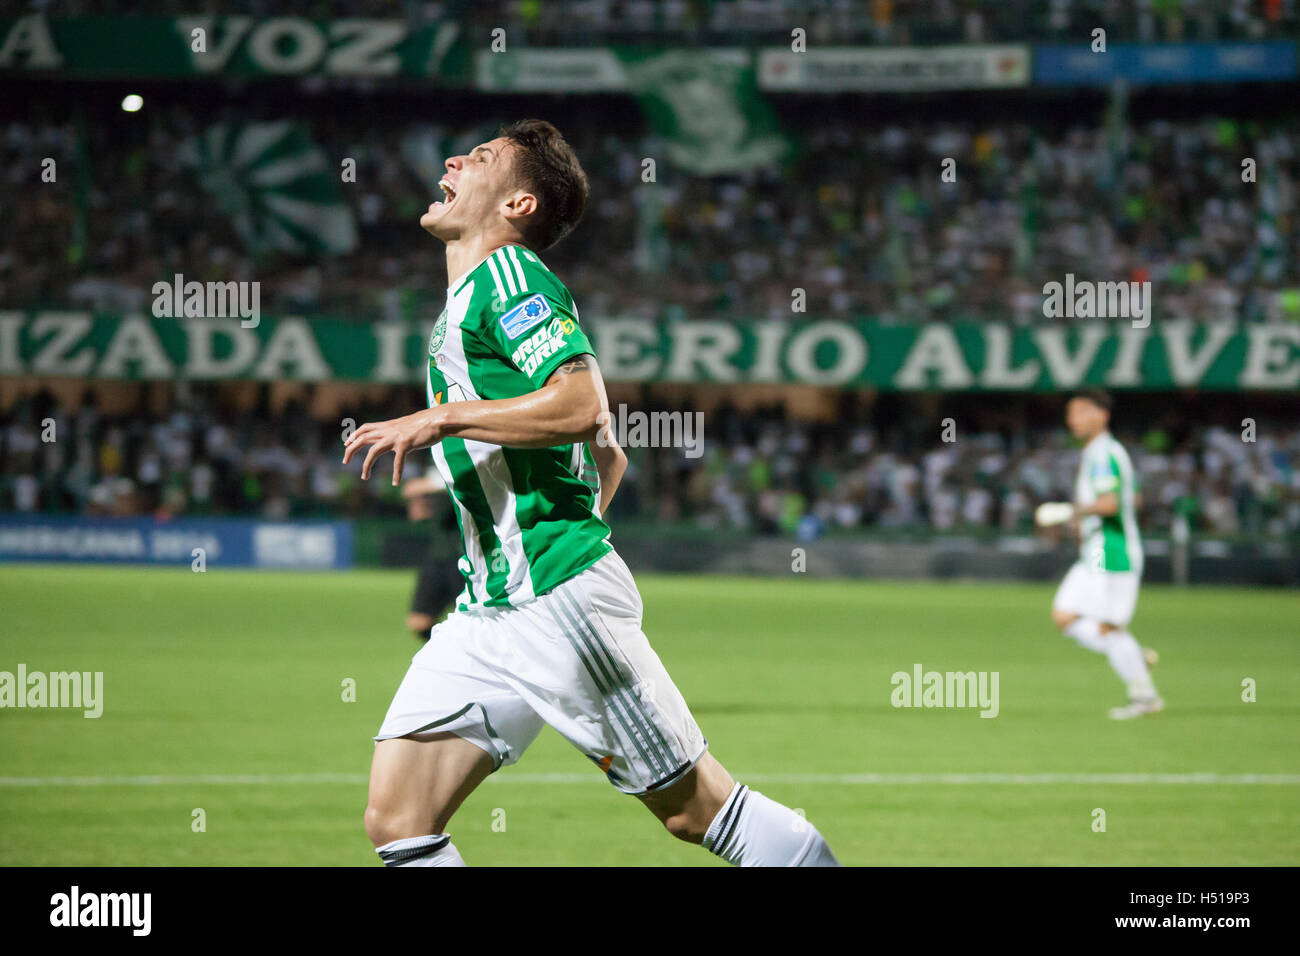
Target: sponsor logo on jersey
{"x": 525, "y": 315}
{"x": 1103, "y": 479}
{"x": 541, "y": 345}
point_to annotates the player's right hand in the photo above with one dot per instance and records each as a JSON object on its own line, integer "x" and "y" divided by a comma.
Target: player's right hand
{"x": 398, "y": 435}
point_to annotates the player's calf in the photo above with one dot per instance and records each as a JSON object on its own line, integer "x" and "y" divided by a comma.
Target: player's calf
{"x": 741, "y": 825}
{"x": 688, "y": 807}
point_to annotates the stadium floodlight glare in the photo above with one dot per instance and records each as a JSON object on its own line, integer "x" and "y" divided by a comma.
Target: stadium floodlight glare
{"x": 132, "y": 102}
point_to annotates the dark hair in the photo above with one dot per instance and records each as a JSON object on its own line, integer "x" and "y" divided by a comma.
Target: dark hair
{"x": 1095, "y": 395}
{"x": 546, "y": 165}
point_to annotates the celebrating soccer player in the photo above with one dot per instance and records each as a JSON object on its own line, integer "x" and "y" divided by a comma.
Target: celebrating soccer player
{"x": 548, "y": 627}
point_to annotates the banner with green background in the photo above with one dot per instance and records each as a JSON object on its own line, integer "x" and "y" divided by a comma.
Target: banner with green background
{"x": 959, "y": 356}
{"x": 234, "y": 46}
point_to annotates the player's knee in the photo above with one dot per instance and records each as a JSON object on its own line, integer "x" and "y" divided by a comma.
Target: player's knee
{"x": 1062, "y": 619}
{"x": 384, "y": 824}
{"x": 380, "y": 825}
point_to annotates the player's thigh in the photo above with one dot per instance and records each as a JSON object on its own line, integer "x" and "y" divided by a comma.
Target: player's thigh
{"x": 418, "y": 782}
{"x": 585, "y": 666}
{"x": 1120, "y": 600}
{"x": 455, "y": 684}
{"x": 452, "y": 721}
{"x": 1078, "y": 595}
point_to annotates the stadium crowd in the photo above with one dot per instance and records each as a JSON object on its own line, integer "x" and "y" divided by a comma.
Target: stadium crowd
{"x": 878, "y": 234}
{"x": 762, "y": 472}
{"x": 576, "y": 22}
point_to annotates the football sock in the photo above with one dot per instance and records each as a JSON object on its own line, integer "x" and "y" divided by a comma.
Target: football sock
{"x": 1087, "y": 632}
{"x": 751, "y": 830}
{"x": 433, "y": 850}
{"x": 1126, "y": 658}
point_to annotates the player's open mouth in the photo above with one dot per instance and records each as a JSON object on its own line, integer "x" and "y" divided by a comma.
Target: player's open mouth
{"x": 449, "y": 191}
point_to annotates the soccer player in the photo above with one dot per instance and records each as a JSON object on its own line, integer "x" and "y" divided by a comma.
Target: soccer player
{"x": 1095, "y": 602}
{"x": 548, "y": 627}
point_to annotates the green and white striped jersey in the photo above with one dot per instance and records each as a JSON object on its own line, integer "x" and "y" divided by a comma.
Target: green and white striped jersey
{"x": 529, "y": 517}
{"x": 1108, "y": 543}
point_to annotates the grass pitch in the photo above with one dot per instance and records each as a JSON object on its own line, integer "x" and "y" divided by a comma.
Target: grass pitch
{"x": 224, "y": 692}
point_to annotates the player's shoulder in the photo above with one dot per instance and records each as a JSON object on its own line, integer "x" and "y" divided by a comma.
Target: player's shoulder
{"x": 514, "y": 289}
{"x": 1115, "y": 448}
{"x": 514, "y": 274}
{"x": 1116, "y": 456}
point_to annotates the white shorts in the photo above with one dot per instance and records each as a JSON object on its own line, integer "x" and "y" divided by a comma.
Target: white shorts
{"x": 574, "y": 658}
{"x": 1107, "y": 596}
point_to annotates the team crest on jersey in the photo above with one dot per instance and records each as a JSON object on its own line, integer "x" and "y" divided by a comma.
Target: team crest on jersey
{"x": 524, "y": 316}
{"x": 439, "y": 333}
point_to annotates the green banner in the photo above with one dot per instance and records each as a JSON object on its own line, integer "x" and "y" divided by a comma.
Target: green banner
{"x": 204, "y": 45}
{"x": 991, "y": 356}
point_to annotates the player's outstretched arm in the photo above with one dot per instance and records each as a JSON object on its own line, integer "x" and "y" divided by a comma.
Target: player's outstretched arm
{"x": 567, "y": 409}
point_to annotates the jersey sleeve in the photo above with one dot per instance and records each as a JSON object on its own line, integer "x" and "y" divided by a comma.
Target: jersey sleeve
{"x": 537, "y": 332}
{"x": 1105, "y": 476}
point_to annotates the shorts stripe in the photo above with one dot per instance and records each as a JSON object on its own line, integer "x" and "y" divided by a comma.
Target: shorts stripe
{"x": 654, "y": 738}
{"x": 671, "y": 778}
{"x": 617, "y": 703}
{"x": 612, "y": 688}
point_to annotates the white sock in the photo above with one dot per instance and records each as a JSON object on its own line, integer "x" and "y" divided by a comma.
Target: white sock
{"x": 1087, "y": 632}
{"x": 1126, "y": 658}
{"x": 751, "y": 830}
{"x": 432, "y": 850}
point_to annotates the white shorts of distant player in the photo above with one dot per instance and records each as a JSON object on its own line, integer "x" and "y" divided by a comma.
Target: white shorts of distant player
{"x": 574, "y": 658}
{"x": 1106, "y": 596}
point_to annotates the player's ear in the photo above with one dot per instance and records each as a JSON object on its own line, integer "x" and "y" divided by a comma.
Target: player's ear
{"x": 520, "y": 204}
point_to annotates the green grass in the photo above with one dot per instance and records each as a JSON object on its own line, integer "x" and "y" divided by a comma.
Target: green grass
{"x": 229, "y": 673}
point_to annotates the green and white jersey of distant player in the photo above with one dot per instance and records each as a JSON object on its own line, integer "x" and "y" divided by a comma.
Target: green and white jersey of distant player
{"x": 1108, "y": 543}
{"x": 529, "y": 517}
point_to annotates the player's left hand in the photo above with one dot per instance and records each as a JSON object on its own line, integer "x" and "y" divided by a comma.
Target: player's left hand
{"x": 398, "y": 435}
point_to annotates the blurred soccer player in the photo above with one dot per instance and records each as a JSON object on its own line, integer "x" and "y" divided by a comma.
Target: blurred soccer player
{"x": 548, "y": 627}
{"x": 1095, "y": 602}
